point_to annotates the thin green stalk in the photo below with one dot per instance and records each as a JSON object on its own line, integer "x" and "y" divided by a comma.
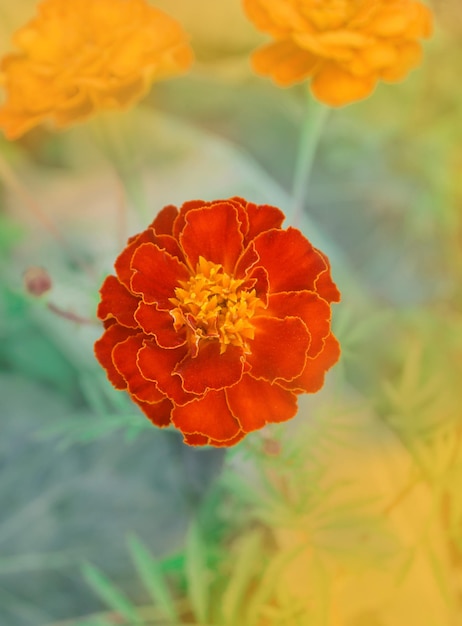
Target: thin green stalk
{"x": 310, "y": 135}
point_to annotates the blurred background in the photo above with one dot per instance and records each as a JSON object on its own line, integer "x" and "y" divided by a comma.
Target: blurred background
{"x": 350, "y": 515}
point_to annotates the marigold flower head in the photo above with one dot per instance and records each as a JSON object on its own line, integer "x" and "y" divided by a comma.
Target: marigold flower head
{"x": 343, "y": 46}
{"x": 217, "y": 318}
{"x": 81, "y": 56}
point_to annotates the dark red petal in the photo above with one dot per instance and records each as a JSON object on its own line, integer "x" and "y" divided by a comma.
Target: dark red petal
{"x": 202, "y": 440}
{"x": 163, "y": 223}
{"x": 170, "y": 245}
{"x": 157, "y": 364}
{"x": 261, "y": 218}
{"x": 247, "y": 260}
{"x": 228, "y": 442}
{"x": 117, "y": 302}
{"x": 310, "y": 308}
{"x": 124, "y": 356}
{"x": 258, "y": 280}
{"x": 159, "y": 324}
{"x": 210, "y": 369}
{"x": 114, "y": 335}
{"x": 213, "y": 233}
{"x": 184, "y": 210}
{"x": 325, "y": 286}
{"x": 209, "y": 416}
{"x": 312, "y": 377}
{"x": 257, "y": 402}
{"x": 196, "y": 440}
{"x": 156, "y": 274}
{"x": 279, "y": 348}
{"x": 122, "y": 263}
{"x": 290, "y": 260}
{"x": 157, "y": 412}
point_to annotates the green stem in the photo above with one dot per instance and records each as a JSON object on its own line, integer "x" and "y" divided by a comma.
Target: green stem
{"x": 310, "y": 135}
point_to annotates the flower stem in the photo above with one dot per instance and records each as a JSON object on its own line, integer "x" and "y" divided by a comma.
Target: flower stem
{"x": 310, "y": 135}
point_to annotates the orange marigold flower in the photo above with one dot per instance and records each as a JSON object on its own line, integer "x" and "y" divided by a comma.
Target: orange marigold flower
{"x": 81, "y": 56}
{"x": 343, "y": 46}
{"x": 217, "y": 318}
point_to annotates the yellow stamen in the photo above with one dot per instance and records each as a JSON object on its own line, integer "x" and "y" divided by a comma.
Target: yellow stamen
{"x": 212, "y": 305}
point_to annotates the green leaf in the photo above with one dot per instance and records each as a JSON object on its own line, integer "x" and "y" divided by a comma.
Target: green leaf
{"x": 110, "y": 595}
{"x": 197, "y": 574}
{"x": 151, "y": 575}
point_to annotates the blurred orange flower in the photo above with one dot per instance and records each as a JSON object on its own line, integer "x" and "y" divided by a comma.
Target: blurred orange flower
{"x": 344, "y": 46}
{"x": 217, "y": 318}
{"x": 81, "y": 56}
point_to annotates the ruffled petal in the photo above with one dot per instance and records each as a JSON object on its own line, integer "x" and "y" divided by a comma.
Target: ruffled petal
{"x": 157, "y": 364}
{"x": 202, "y": 440}
{"x": 209, "y": 416}
{"x": 213, "y": 233}
{"x": 163, "y": 223}
{"x": 324, "y": 284}
{"x": 409, "y": 54}
{"x": 124, "y": 357}
{"x": 210, "y": 369}
{"x": 159, "y": 324}
{"x": 262, "y": 217}
{"x": 122, "y": 263}
{"x": 285, "y": 62}
{"x": 157, "y": 412}
{"x": 336, "y": 86}
{"x": 156, "y": 274}
{"x": 292, "y": 263}
{"x": 104, "y": 346}
{"x": 279, "y": 348}
{"x": 312, "y": 377}
{"x": 258, "y": 402}
{"x": 310, "y": 308}
{"x": 117, "y": 302}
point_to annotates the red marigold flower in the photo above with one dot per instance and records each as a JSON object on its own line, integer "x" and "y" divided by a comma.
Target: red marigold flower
{"x": 78, "y": 57}
{"x": 217, "y": 318}
{"x": 343, "y": 46}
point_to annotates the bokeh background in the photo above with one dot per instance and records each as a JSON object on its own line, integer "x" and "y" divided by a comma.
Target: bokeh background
{"x": 350, "y": 515}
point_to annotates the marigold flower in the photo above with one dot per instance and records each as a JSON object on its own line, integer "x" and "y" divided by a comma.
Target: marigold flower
{"x": 343, "y": 46}
{"x": 217, "y": 319}
{"x": 81, "y": 56}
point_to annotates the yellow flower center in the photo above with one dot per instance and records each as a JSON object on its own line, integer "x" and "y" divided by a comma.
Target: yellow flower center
{"x": 213, "y": 305}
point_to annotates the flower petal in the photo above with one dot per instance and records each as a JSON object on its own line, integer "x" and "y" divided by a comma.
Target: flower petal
{"x": 157, "y": 364}
{"x": 157, "y": 412}
{"x": 159, "y": 324}
{"x": 258, "y": 402}
{"x": 312, "y": 377}
{"x": 325, "y": 286}
{"x": 122, "y": 263}
{"x": 268, "y": 360}
{"x": 163, "y": 223}
{"x": 210, "y": 369}
{"x": 117, "y": 302}
{"x": 336, "y": 86}
{"x": 124, "y": 357}
{"x": 292, "y": 263}
{"x": 209, "y": 416}
{"x": 213, "y": 233}
{"x": 310, "y": 308}
{"x": 104, "y": 346}
{"x": 156, "y": 274}
{"x": 285, "y": 62}
{"x": 261, "y": 218}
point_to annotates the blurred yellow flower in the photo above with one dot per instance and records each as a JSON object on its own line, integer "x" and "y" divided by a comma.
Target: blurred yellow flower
{"x": 81, "y": 56}
{"x": 344, "y": 46}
